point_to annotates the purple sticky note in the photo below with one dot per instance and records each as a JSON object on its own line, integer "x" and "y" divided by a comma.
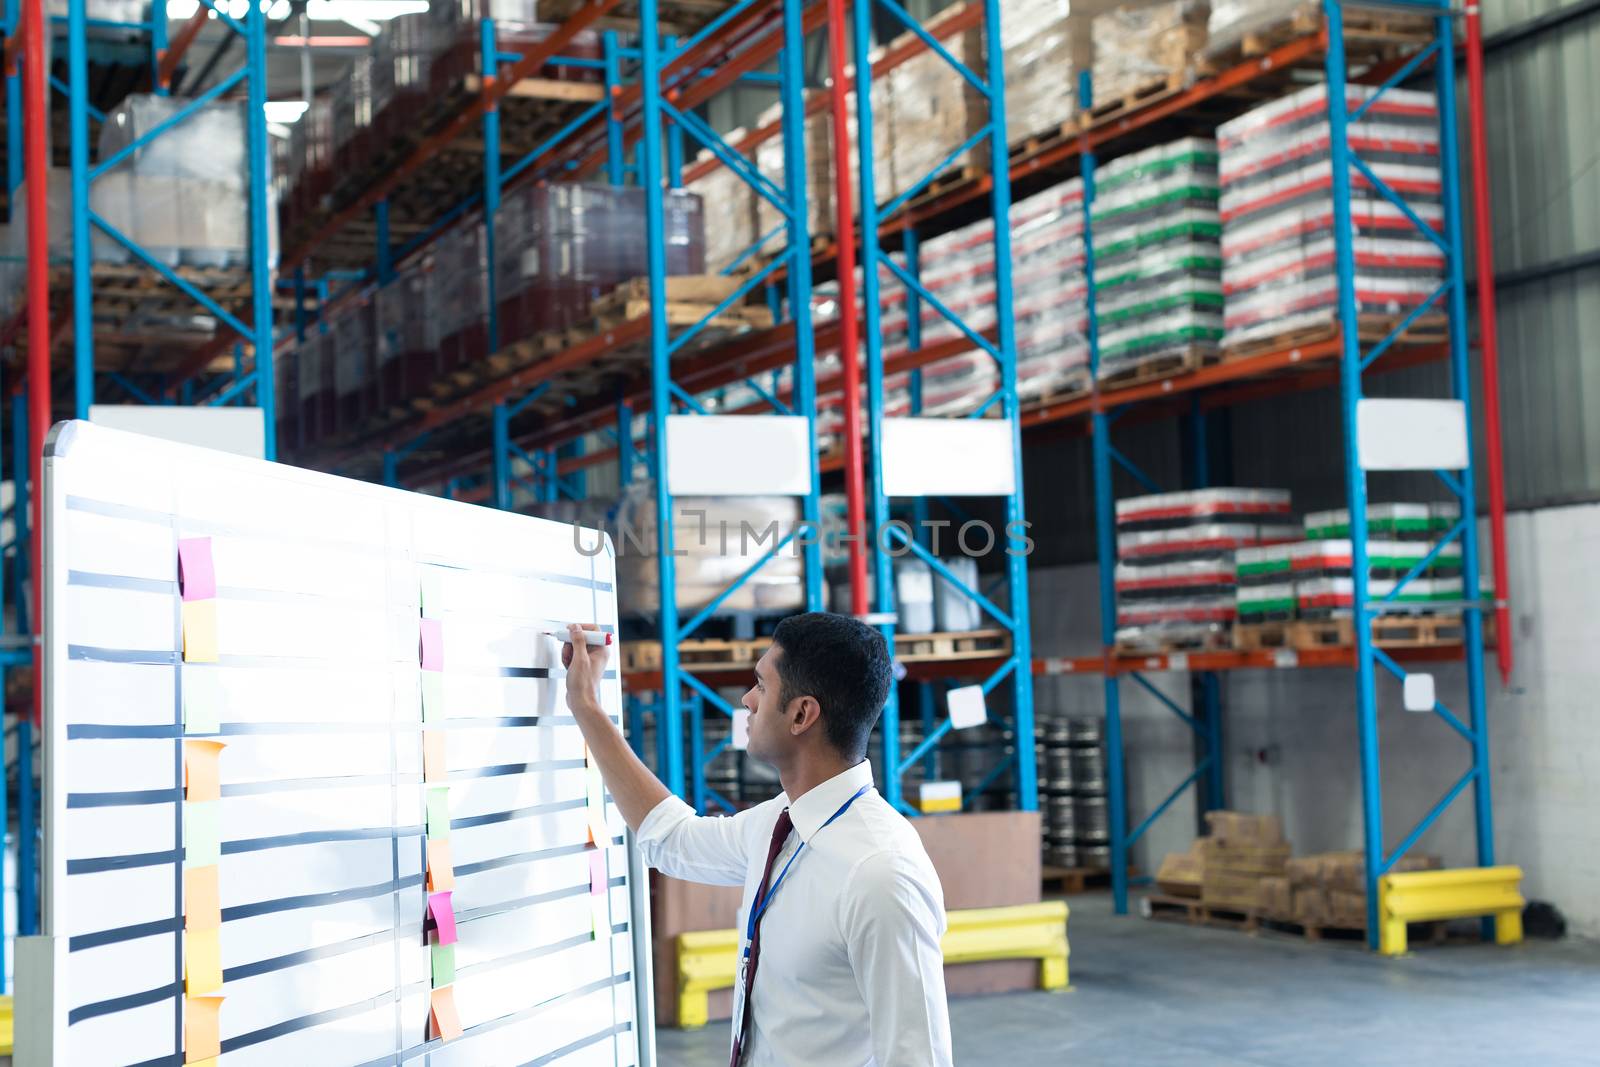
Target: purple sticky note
{"x": 432, "y": 645}
{"x": 444, "y": 917}
{"x": 597, "y": 872}
{"x": 197, "y": 576}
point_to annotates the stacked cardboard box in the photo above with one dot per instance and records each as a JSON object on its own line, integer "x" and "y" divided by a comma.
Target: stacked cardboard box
{"x": 1135, "y": 45}
{"x": 1041, "y": 86}
{"x": 1238, "y": 852}
{"x": 769, "y": 159}
{"x": 1158, "y": 284}
{"x": 1329, "y": 888}
{"x": 1278, "y": 244}
{"x": 931, "y": 111}
{"x": 734, "y": 201}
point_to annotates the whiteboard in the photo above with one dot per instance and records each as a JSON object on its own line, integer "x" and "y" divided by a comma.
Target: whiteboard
{"x": 326, "y": 599}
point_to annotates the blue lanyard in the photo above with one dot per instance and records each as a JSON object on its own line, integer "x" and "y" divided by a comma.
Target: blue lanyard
{"x": 758, "y": 907}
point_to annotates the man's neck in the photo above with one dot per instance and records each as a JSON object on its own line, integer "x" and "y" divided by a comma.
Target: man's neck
{"x": 810, "y": 771}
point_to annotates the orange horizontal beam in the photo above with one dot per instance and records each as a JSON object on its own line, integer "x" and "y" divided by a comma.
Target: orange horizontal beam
{"x": 169, "y": 58}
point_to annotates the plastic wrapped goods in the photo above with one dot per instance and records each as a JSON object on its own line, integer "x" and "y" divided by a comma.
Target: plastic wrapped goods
{"x": 714, "y": 550}
{"x": 769, "y": 158}
{"x": 932, "y": 111}
{"x": 184, "y": 196}
{"x": 1158, "y": 261}
{"x": 407, "y": 332}
{"x": 352, "y": 113}
{"x": 1041, "y": 83}
{"x": 355, "y": 383}
{"x": 1134, "y": 46}
{"x": 1279, "y": 252}
{"x": 734, "y": 203}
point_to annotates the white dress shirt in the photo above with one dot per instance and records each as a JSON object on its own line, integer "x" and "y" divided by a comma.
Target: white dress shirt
{"x": 851, "y": 973}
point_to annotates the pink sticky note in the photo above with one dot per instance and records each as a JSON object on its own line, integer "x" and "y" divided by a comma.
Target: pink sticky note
{"x": 432, "y": 645}
{"x": 444, "y": 916}
{"x": 197, "y": 576}
{"x": 597, "y": 872}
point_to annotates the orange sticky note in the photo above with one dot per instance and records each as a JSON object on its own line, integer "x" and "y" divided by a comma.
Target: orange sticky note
{"x": 441, "y": 869}
{"x": 202, "y": 961}
{"x": 433, "y": 760}
{"x": 202, "y": 775}
{"x": 202, "y": 1028}
{"x": 200, "y": 631}
{"x": 446, "y": 1020}
{"x": 202, "y": 905}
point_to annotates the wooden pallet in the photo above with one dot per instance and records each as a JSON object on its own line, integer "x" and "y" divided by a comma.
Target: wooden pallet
{"x": 1071, "y": 880}
{"x": 939, "y": 647}
{"x": 1155, "y": 368}
{"x": 1114, "y": 109}
{"x": 1197, "y": 912}
{"x": 1428, "y": 329}
{"x": 1219, "y": 641}
{"x": 946, "y": 181}
{"x": 734, "y": 654}
{"x": 683, "y": 313}
{"x": 1396, "y": 631}
{"x": 710, "y": 289}
{"x": 1434, "y": 932}
{"x": 1369, "y": 34}
{"x": 1044, "y": 140}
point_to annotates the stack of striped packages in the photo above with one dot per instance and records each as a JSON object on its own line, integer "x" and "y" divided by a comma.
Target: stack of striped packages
{"x": 1312, "y": 579}
{"x": 1176, "y": 585}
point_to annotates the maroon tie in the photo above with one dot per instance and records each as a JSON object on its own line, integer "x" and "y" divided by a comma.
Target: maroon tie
{"x": 780, "y": 834}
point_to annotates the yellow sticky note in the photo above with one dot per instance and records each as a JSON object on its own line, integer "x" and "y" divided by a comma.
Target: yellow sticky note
{"x": 433, "y": 756}
{"x": 202, "y": 961}
{"x": 199, "y": 631}
{"x": 446, "y": 1020}
{"x": 441, "y": 867}
{"x": 202, "y": 903}
{"x": 202, "y": 776}
{"x": 202, "y": 1028}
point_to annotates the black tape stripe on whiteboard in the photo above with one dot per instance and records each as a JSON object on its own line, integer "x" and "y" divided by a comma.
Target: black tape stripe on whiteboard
{"x": 582, "y": 1043}
{"x": 194, "y": 527}
{"x": 171, "y": 796}
{"x": 555, "y": 1004}
{"x": 168, "y": 658}
{"x": 99, "y": 864}
{"x": 488, "y": 911}
{"x": 166, "y": 586}
{"x": 79, "y": 942}
{"x": 515, "y": 858}
{"x": 124, "y": 1003}
{"x": 106, "y": 731}
{"x": 321, "y": 1018}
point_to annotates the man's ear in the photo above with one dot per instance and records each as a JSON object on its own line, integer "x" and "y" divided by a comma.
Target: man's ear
{"x": 804, "y": 713}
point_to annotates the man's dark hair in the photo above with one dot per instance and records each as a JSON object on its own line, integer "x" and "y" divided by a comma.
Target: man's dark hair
{"x": 841, "y": 662}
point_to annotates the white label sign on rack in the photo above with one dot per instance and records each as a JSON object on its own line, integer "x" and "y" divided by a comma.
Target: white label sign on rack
{"x": 1411, "y": 435}
{"x": 738, "y": 455}
{"x": 948, "y": 457}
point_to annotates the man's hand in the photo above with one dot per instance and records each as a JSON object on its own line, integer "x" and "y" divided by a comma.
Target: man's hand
{"x": 585, "y": 664}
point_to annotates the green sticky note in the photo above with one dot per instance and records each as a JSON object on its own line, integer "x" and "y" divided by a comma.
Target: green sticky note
{"x": 439, "y": 811}
{"x": 202, "y": 833}
{"x": 444, "y": 965}
{"x": 203, "y": 700}
{"x": 432, "y": 582}
{"x": 432, "y": 696}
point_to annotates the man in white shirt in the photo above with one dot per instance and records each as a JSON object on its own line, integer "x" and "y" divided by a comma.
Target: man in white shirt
{"x": 842, "y": 914}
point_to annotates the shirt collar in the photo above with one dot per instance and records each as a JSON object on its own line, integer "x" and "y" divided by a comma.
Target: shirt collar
{"x": 819, "y": 803}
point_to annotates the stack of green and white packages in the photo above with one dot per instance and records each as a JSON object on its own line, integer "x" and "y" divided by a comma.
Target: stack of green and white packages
{"x": 1158, "y": 255}
{"x": 1313, "y": 579}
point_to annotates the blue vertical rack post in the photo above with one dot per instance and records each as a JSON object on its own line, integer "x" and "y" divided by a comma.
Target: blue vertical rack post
{"x": 251, "y": 77}
{"x": 1461, "y": 483}
{"x": 659, "y": 115}
{"x": 1018, "y": 663}
{"x": 1204, "y": 718}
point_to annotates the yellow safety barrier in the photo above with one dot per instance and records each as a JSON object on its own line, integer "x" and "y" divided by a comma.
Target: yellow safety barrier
{"x": 6, "y": 1031}
{"x": 1430, "y": 896}
{"x": 708, "y": 959}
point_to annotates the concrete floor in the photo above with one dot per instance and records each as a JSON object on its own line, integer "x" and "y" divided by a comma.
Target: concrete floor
{"x": 1155, "y": 993}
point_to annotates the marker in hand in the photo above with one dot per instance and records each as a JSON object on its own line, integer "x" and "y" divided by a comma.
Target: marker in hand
{"x": 592, "y": 638}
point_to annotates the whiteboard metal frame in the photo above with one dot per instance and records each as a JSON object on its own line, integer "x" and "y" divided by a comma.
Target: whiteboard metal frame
{"x": 42, "y": 993}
